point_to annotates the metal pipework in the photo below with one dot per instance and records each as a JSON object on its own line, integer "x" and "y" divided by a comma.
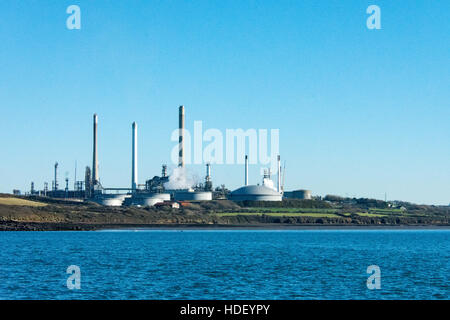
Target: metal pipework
{"x": 208, "y": 171}
{"x": 134, "y": 158}
{"x": 181, "y": 137}
{"x": 94, "y": 158}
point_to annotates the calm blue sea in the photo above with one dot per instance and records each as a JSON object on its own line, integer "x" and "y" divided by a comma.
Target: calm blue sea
{"x": 237, "y": 264}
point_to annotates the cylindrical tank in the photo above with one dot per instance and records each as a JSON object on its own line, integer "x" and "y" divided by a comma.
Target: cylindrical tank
{"x": 111, "y": 200}
{"x": 298, "y": 194}
{"x": 148, "y": 199}
{"x": 192, "y": 195}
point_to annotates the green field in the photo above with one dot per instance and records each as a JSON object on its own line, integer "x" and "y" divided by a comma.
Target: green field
{"x": 364, "y": 214}
{"x": 388, "y": 210}
{"x": 291, "y": 210}
{"x": 278, "y": 214}
{"x": 370, "y": 214}
{"x": 305, "y": 212}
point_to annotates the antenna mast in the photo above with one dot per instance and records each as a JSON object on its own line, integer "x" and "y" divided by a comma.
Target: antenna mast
{"x": 75, "y": 178}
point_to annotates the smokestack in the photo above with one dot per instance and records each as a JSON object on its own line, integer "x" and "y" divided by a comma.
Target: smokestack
{"x": 279, "y": 174}
{"x": 208, "y": 171}
{"x": 246, "y": 170}
{"x": 134, "y": 159}
{"x": 95, "y": 159}
{"x": 181, "y": 137}
{"x": 208, "y": 182}
{"x": 55, "y": 183}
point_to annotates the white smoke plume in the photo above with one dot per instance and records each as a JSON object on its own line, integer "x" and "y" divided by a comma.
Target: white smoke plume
{"x": 269, "y": 184}
{"x": 180, "y": 179}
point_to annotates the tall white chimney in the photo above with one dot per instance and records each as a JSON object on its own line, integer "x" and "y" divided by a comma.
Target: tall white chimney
{"x": 134, "y": 179}
{"x": 279, "y": 174}
{"x": 246, "y": 170}
{"x": 181, "y": 137}
{"x": 94, "y": 154}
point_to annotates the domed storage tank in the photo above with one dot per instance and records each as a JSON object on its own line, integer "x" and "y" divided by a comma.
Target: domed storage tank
{"x": 185, "y": 195}
{"x": 255, "y": 193}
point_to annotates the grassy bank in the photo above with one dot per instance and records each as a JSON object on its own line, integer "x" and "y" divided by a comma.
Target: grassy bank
{"x": 10, "y": 201}
{"x": 278, "y": 214}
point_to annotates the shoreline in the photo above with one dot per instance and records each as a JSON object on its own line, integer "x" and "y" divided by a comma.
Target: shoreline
{"x": 40, "y": 226}
{"x": 277, "y": 227}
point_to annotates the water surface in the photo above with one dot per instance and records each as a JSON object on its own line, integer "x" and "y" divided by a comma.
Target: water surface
{"x": 226, "y": 264}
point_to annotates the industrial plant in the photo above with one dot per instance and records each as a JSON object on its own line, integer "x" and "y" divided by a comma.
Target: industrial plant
{"x": 164, "y": 189}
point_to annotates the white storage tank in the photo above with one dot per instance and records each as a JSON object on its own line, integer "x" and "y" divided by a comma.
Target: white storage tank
{"x": 186, "y": 195}
{"x": 149, "y": 200}
{"x": 111, "y": 200}
{"x": 299, "y": 194}
{"x": 146, "y": 199}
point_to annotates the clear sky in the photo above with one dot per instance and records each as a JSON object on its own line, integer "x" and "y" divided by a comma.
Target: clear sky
{"x": 361, "y": 112}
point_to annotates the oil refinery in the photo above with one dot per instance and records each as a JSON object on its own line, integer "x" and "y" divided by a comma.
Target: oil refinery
{"x": 164, "y": 188}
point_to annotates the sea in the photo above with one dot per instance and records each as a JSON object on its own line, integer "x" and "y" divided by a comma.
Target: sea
{"x": 226, "y": 264}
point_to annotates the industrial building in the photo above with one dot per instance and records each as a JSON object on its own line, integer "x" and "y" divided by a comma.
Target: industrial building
{"x": 255, "y": 193}
{"x": 188, "y": 194}
{"x": 264, "y": 192}
{"x": 156, "y": 190}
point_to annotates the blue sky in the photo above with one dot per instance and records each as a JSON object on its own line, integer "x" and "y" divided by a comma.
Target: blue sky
{"x": 361, "y": 112}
